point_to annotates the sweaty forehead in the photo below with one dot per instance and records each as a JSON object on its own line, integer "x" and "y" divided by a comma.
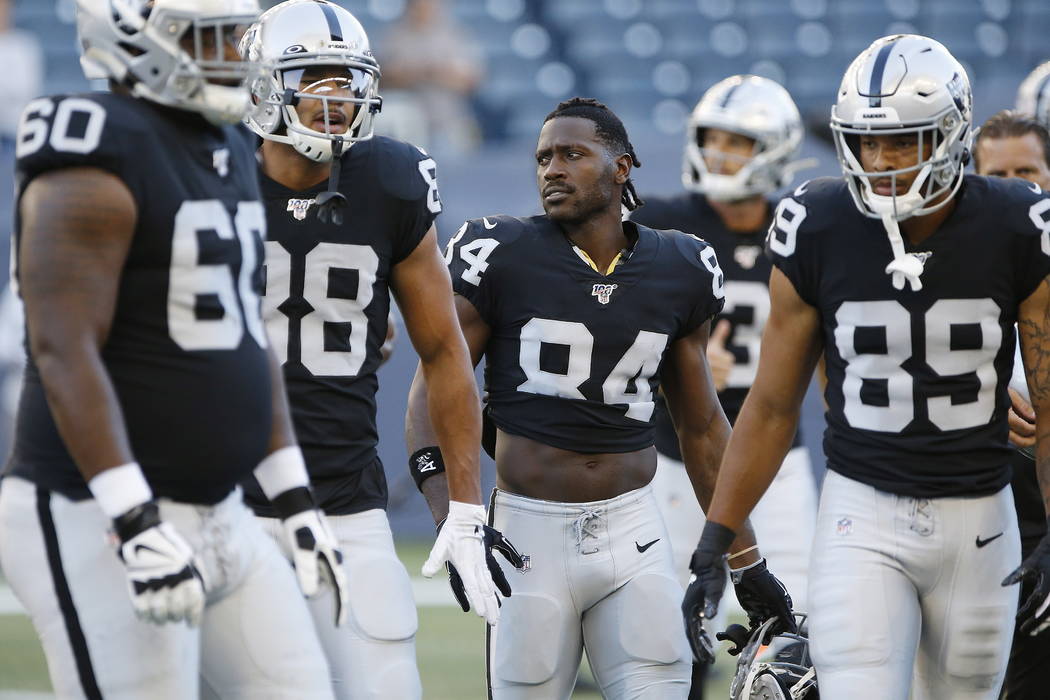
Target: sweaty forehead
{"x": 566, "y": 131}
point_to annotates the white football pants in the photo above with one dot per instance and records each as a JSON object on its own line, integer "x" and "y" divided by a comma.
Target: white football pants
{"x": 900, "y": 583}
{"x": 373, "y": 656}
{"x": 255, "y": 642}
{"x": 601, "y": 577}
{"x": 783, "y": 522}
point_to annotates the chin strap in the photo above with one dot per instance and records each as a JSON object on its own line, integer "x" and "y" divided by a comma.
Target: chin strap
{"x": 330, "y": 204}
{"x": 904, "y": 266}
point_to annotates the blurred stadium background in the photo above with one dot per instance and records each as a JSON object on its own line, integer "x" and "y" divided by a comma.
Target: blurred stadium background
{"x": 649, "y": 60}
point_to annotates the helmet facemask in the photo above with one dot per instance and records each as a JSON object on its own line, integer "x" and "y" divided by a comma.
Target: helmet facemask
{"x": 938, "y": 176}
{"x": 767, "y": 168}
{"x": 175, "y": 57}
{"x": 349, "y": 82}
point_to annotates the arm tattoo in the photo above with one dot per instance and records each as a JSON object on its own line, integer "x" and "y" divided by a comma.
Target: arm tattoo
{"x": 1036, "y": 348}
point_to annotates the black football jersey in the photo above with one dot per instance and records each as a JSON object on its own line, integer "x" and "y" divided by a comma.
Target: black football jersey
{"x": 326, "y": 304}
{"x": 187, "y": 349}
{"x": 742, "y": 257}
{"x": 574, "y": 356}
{"x": 917, "y": 380}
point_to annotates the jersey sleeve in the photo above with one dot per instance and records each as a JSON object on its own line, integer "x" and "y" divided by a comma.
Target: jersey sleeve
{"x": 706, "y": 281}
{"x": 1031, "y": 236}
{"x": 788, "y": 243}
{"x": 78, "y": 131}
{"x": 470, "y": 256}
{"x": 414, "y": 182}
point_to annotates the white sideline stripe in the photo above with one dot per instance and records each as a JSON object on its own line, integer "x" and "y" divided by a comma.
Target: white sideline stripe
{"x": 428, "y": 593}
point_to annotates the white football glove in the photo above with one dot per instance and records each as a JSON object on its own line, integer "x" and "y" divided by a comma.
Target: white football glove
{"x": 461, "y": 543}
{"x": 164, "y": 576}
{"x": 316, "y": 555}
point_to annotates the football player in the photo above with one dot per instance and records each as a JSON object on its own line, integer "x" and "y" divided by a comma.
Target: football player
{"x": 581, "y": 318}
{"x": 1011, "y": 144}
{"x": 742, "y": 144}
{"x": 150, "y": 390}
{"x": 351, "y": 217}
{"x": 908, "y": 276}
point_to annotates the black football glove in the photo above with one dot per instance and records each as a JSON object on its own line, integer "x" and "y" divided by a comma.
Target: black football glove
{"x": 706, "y": 585}
{"x": 762, "y": 596}
{"x": 493, "y": 540}
{"x": 1034, "y": 615}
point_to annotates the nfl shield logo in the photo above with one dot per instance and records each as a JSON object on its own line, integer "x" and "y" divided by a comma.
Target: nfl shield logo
{"x": 299, "y": 207}
{"x": 844, "y": 527}
{"x": 603, "y": 292}
{"x": 746, "y": 255}
{"x": 220, "y": 160}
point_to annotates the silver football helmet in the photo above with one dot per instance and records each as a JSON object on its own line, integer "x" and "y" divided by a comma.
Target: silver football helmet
{"x": 759, "y": 109}
{"x": 905, "y": 84}
{"x": 1033, "y": 97}
{"x": 294, "y": 37}
{"x": 787, "y": 674}
{"x": 172, "y": 52}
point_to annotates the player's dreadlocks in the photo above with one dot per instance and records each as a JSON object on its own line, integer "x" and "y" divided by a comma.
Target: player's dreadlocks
{"x": 610, "y": 130}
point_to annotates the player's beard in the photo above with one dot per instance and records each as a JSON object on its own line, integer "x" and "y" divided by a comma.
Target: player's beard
{"x": 585, "y": 203}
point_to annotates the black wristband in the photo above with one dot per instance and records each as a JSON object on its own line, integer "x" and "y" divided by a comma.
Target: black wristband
{"x": 293, "y": 501}
{"x": 716, "y": 538}
{"x": 425, "y": 463}
{"x": 137, "y": 520}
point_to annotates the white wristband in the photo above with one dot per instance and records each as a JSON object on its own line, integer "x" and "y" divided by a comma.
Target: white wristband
{"x": 119, "y": 489}
{"x": 282, "y": 470}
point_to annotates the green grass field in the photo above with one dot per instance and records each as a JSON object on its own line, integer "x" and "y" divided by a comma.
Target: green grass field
{"x": 450, "y": 648}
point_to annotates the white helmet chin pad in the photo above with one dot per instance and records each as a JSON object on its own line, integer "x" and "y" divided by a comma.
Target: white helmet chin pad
{"x": 322, "y": 61}
{"x": 905, "y": 85}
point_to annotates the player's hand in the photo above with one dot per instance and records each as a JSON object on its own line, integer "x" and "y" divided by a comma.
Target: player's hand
{"x": 1034, "y": 615}
{"x": 762, "y": 596}
{"x": 493, "y": 540}
{"x": 706, "y": 585}
{"x": 164, "y": 576}
{"x": 1022, "y": 421}
{"x": 719, "y": 359}
{"x": 316, "y": 557}
{"x": 461, "y": 544}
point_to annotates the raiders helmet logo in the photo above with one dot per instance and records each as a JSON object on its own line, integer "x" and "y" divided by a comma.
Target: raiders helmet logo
{"x": 603, "y": 292}
{"x": 299, "y": 207}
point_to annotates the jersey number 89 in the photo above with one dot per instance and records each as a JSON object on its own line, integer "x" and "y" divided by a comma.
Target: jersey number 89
{"x": 888, "y": 366}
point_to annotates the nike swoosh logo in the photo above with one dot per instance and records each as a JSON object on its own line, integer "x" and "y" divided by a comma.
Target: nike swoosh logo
{"x": 643, "y": 547}
{"x": 1035, "y": 187}
{"x": 981, "y": 543}
{"x": 147, "y": 548}
{"x": 488, "y": 224}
